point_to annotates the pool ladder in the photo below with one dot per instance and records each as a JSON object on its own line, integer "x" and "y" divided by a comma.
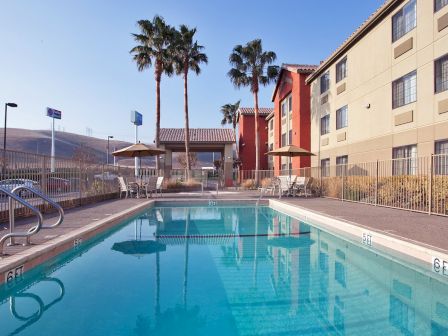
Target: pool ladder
{"x": 13, "y": 196}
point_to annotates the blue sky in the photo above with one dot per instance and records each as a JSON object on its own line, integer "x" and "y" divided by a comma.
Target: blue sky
{"x": 74, "y": 56}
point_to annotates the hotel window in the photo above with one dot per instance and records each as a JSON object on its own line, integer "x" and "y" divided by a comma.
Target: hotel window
{"x": 286, "y": 105}
{"x": 441, "y": 157}
{"x": 404, "y": 90}
{"x": 341, "y": 165}
{"x": 271, "y": 124}
{"x": 325, "y": 124}
{"x": 342, "y": 117}
{"x": 405, "y": 160}
{"x": 341, "y": 70}
{"x": 283, "y": 140}
{"x": 325, "y": 167}
{"x": 439, "y": 4}
{"x": 404, "y": 20}
{"x": 325, "y": 82}
{"x": 290, "y": 137}
{"x": 441, "y": 73}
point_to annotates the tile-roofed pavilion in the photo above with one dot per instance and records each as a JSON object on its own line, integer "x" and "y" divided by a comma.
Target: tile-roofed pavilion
{"x": 199, "y": 135}
{"x": 201, "y": 140}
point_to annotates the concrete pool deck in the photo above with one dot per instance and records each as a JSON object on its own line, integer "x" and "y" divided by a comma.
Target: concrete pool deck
{"x": 416, "y": 228}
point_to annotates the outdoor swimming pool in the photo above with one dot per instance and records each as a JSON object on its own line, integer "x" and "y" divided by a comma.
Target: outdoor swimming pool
{"x": 241, "y": 271}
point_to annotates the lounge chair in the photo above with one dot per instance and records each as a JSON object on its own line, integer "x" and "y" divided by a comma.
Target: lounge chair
{"x": 128, "y": 189}
{"x": 272, "y": 187}
{"x": 150, "y": 186}
{"x": 301, "y": 186}
{"x": 159, "y": 185}
{"x": 286, "y": 184}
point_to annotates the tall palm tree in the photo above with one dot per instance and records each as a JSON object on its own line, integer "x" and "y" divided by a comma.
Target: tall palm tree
{"x": 188, "y": 57}
{"x": 230, "y": 116}
{"x": 251, "y": 67}
{"x": 155, "y": 47}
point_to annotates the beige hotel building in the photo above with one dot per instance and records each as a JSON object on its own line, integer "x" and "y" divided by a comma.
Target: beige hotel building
{"x": 383, "y": 93}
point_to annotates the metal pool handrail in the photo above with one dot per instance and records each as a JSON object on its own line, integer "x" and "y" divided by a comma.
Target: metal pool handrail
{"x": 31, "y": 231}
{"x": 45, "y": 198}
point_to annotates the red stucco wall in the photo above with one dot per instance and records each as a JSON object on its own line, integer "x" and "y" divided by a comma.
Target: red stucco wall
{"x": 301, "y": 116}
{"x": 247, "y": 142}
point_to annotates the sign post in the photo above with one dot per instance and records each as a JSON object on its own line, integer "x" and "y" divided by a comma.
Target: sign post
{"x": 137, "y": 120}
{"x": 54, "y": 114}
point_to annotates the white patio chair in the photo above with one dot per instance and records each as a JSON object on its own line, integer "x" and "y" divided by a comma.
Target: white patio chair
{"x": 286, "y": 184}
{"x": 128, "y": 189}
{"x": 159, "y": 185}
{"x": 272, "y": 187}
{"x": 301, "y": 186}
{"x": 151, "y": 186}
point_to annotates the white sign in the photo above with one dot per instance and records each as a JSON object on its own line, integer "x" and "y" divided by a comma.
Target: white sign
{"x": 367, "y": 239}
{"x": 440, "y": 266}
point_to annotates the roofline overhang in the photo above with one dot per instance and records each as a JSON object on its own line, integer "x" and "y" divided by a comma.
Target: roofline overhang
{"x": 351, "y": 41}
{"x": 284, "y": 67}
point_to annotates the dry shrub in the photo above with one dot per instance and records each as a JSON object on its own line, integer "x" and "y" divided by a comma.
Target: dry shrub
{"x": 266, "y": 182}
{"x": 248, "y": 184}
{"x": 177, "y": 184}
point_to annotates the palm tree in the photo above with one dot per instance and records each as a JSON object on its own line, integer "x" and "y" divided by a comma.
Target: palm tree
{"x": 188, "y": 57}
{"x": 251, "y": 67}
{"x": 230, "y": 116}
{"x": 155, "y": 47}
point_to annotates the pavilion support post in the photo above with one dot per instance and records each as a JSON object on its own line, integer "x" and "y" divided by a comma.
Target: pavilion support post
{"x": 228, "y": 165}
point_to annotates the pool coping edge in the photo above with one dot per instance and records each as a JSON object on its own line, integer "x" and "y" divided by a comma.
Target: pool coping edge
{"x": 416, "y": 250}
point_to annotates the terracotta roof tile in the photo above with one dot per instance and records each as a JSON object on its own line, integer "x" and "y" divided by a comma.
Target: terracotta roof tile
{"x": 299, "y": 68}
{"x": 262, "y": 111}
{"x": 203, "y": 135}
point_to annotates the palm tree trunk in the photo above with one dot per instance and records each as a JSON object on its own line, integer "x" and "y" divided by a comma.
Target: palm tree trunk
{"x": 236, "y": 142}
{"x": 158, "y": 78}
{"x": 257, "y": 140}
{"x": 187, "y": 127}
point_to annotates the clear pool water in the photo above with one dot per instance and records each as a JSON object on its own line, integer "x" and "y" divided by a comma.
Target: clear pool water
{"x": 241, "y": 271}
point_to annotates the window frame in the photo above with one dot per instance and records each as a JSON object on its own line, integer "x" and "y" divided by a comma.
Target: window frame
{"x": 325, "y": 76}
{"x": 439, "y": 59}
{"x": 283, "y": 139}
{"x": 407, "y": 165}
{"x": 341, "y": 168}
{"x": 395, "y": 38}
{"x": 338, "y": 111}
{"x": 342, "y": 61}
{"x": 403, "y": 78}
{"x": 327, "y": 129}
{"x": 325, "y": 169}
{"x": 442, "y": 6}
{"x": 440, "y": 158}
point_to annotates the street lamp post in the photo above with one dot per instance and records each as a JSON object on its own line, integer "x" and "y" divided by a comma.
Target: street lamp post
{"x": 4, "y": 133}
{"x": 108, "y": 138}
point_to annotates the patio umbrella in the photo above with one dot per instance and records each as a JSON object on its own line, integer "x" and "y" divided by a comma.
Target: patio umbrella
{"x": 290, "y": 151}
{"x": 138, "y": 150}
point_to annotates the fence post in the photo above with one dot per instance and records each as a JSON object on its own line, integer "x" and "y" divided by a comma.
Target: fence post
{"x": 431, "y": 171}
{"x": 343, "y": 175}
{"x": 80, "y": 182}
{"x": 376, "y": 183}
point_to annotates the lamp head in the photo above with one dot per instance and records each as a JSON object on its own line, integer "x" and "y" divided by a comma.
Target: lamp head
{"x": 11, "y": 104}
